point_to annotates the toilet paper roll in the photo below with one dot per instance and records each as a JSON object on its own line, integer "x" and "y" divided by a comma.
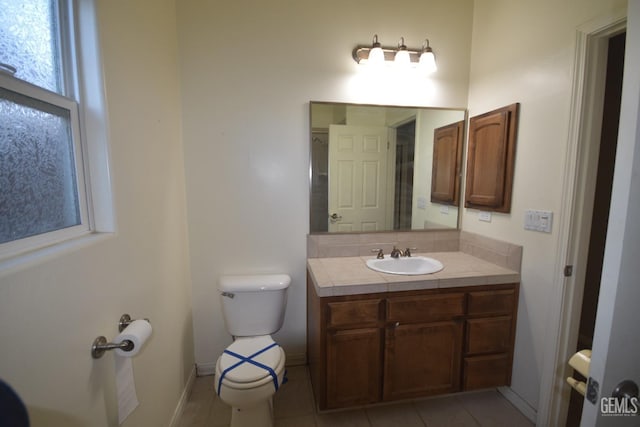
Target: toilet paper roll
{"x": 137, "y": 332}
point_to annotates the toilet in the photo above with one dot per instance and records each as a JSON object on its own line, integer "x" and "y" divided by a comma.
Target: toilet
{"x": 251, "y": 369}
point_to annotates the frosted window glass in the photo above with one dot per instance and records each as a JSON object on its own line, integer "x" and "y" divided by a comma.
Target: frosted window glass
{"x": 38, "y": 190}
{"x": 29, "y": 41}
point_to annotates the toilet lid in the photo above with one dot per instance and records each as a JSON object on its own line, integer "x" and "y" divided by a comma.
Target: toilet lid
{"x": 262, "y": 350}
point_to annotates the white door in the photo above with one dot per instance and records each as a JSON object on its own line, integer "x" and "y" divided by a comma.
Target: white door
{"x": 357, "y": 178}
{"x": 616, "y": 346}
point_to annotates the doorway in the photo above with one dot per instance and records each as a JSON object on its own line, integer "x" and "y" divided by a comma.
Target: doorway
{"x": 600, "y": 209}
{"x": 405, "y": 153}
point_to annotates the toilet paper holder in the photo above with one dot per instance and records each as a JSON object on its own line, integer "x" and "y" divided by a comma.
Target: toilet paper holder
{"x": 101, "y": 345}
{"x": 580, "y": 362}
{"x": 125, "y": 320}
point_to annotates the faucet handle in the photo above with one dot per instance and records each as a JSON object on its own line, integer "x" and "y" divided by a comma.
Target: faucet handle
{"x": 380, "y": 254}
{"x": 407, "y": 252}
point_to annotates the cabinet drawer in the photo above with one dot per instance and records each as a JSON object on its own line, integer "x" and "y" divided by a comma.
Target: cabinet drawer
{"x": 486, "y": 371}
{"x": 491, "y": 302}
{"x": 425, "y": 308}
{"x": 488, "y": 335}
{"x": 354, "y": 313}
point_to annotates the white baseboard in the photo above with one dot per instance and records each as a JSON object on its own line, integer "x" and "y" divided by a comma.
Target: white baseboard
{"x": 207, "y": 368}
{"x": 517, "y": 401}
{"x": 184, "y": 397}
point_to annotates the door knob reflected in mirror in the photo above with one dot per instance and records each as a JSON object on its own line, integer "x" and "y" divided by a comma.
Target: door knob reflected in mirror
{"x": 335, "y": 217}
{"x": 627, "y": 389}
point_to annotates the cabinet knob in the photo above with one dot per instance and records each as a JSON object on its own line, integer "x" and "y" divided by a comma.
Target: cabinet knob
{"x": 396, "y": 325}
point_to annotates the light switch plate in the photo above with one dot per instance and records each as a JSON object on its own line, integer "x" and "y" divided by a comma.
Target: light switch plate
{"x": 444, "y": 209}
{"x": 538, "y": 220}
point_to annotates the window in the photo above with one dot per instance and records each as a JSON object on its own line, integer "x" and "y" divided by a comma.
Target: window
{"x": 43, "y": 193}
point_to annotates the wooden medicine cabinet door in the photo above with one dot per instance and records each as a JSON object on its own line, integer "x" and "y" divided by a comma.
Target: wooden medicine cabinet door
{"x": 447, "y": 156}
{"x": 490, "y": 162}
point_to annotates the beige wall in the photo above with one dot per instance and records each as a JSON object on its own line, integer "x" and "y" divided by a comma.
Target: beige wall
{"x": 249, "y": 71}
{"x": 523, "y": 52}
{"x": 52, "y": 309}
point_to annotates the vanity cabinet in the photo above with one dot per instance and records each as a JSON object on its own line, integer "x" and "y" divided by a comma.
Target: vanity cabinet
{"x": 370, "y": 348}
{"x": 489, "y": 337}
{"x": 353, "y": 352}
{"x": 423, "y": 342}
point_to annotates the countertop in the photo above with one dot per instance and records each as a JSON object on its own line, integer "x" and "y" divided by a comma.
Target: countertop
{"x": 351, "y": 276}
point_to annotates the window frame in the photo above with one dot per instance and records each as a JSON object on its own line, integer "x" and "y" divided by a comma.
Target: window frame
{"x": 23, "y": 244}
{"x": 85, "y": 100}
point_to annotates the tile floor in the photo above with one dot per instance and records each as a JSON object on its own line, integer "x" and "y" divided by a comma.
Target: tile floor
{"x": 294, "y": 407}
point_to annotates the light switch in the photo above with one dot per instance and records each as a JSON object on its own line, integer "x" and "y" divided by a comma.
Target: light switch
{"x": 444, "y": 209}
{"x": 538, "y": 220}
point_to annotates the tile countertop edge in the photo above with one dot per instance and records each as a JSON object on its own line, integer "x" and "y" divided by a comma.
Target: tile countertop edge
{"x": 461, "y": 269}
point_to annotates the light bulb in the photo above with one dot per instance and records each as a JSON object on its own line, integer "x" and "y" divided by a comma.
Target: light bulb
{"x": 376, "y": 56}
{"x": 428, "y": 62}
{"x": 402, "y": 57}
{"x": 427, "y": 58}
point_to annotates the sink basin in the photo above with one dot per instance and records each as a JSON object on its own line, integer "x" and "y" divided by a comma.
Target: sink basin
{"x": 406, "y": 266}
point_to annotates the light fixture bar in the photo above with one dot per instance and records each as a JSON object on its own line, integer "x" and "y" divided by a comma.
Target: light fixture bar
{"x": 374, "y": 54}
{"x": 361, "y": 53}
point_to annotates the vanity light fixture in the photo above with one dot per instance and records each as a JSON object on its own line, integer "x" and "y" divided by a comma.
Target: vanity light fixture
{"x": 377, "y": 54}
{"x": 427, "y": 58}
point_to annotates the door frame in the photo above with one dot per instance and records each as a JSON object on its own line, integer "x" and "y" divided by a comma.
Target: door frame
{"x": 577, "y": 200}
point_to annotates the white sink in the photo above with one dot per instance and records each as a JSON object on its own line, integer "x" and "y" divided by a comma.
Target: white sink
{"x": 406, "y": 266}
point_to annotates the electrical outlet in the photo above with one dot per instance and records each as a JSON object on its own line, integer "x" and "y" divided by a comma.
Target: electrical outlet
{"x": 422, "y": 202}
{"x": 484, "y": 216}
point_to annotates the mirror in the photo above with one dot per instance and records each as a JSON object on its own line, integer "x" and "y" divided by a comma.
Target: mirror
{"x": 384, "y": 168}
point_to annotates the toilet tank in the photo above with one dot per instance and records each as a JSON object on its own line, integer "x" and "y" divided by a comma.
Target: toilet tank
{"x": 254, "y": 305}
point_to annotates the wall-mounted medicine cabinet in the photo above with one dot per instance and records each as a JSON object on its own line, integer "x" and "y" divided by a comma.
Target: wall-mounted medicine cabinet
{"x": 491, "y": 157}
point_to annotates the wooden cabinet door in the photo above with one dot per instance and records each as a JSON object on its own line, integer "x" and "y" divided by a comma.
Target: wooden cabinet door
{"x": 493, "y": 370}
{"x": 490, "y": 159}
{"x": 354, "y": 367}
{"x": 422, "y": 359}
{"x": 445, "y": 171}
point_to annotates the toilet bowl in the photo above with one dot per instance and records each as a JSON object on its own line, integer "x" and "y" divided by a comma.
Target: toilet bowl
{"x": 251, "y": 369}
{"x": 248, "y": 373}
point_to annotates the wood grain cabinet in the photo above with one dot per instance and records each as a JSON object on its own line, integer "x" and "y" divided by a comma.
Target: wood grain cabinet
{"x": 447, "y": 158}
{"x": 422, "y": 345}
{"x": 370, "y": 348}
{"x": 353, "y": 358}
{"x": 489, "y": 338}
{"x": 490, "y": 159}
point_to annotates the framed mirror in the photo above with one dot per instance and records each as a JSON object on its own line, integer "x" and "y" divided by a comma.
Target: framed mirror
{"x": 384, "y": 168}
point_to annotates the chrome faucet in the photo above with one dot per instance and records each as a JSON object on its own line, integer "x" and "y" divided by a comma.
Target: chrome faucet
{"x": 395, "y": 253}
{"x": 407, "y": 252}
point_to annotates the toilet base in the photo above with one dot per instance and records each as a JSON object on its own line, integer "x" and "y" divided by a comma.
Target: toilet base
{"x": 259, "y": 415}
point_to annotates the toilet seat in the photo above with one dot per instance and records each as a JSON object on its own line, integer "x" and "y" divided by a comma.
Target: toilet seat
{"x": 250, "y": 362}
